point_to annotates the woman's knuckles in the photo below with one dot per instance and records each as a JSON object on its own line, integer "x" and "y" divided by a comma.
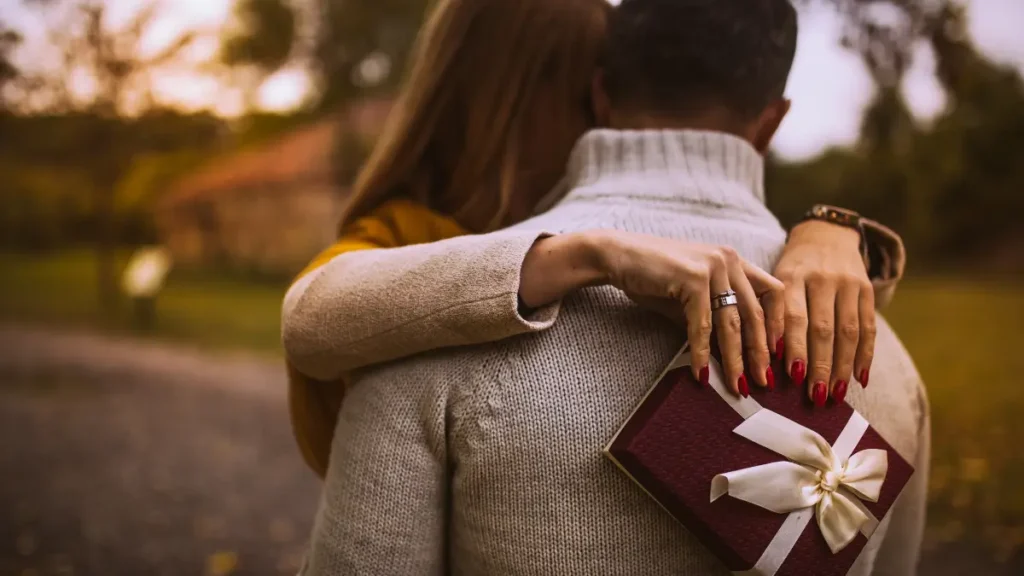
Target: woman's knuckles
{"x": 823, "y": 330}
{"x": 756, "y": 315}
{"x": 795, "y": 319}
{"x": 816, "y": 279}
{"x": 733, "y": 323}
{"x": 849, "y": 331}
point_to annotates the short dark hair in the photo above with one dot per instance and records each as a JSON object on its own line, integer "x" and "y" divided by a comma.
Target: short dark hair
{"x": 679, "y": 57}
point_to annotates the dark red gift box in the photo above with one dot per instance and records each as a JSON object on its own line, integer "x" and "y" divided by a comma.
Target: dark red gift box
{"x": 681, "y": 436}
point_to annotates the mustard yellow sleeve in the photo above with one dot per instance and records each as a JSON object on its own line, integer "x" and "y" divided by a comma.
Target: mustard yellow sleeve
{"x": 395, "y": 223}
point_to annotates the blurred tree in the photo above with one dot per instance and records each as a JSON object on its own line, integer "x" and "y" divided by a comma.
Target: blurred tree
{"x": 9, "y": 40}
{"x": 362, "y": 48}
{"x": 975, "y": 156}
{"x": 260, "y": 41}
{"x": 952, "y": 186}
{"x": 358, "y": 48}
{"x": 118, "y": 69}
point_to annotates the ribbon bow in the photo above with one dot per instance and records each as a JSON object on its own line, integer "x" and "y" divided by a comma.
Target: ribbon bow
{"x": 814, "y": 476}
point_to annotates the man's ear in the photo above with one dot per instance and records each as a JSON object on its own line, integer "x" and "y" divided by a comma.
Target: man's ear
{"x": 768, "y": 124}
{"x": 599, "y": 100}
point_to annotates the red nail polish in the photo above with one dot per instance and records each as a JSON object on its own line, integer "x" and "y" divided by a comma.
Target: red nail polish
{"x": 705, "y": 376}
{"x": 742, "y": 385}
{"x": 780, "y": 349}
{"x": 819, "y": 394}
{"x": 839, "y": 392}
{"x": 864, "y": 374}
{"x": 799, "y": 372}
{"x": 769, "y": 376}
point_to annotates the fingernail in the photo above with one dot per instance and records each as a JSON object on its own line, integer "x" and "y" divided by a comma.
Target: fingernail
{"x": 780, "y": 349}
{"x": 819, "y": 394}
{"x": 864, "y": 374}
{"x": 839, "y": 392}
{"x": 769, "y": 376}
{"x": 705, "y": 376}
{"x": 799, "y": 371}
{"x": 742, "y": 385}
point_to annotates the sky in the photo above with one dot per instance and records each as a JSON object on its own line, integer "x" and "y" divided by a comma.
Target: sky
{"x": 829, "y": 86}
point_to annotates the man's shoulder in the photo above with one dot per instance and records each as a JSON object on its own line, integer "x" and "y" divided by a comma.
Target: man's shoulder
{"x": 896, "y": 402}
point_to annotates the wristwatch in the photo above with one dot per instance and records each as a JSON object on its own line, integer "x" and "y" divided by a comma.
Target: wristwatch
{"x": 845, "y": 218}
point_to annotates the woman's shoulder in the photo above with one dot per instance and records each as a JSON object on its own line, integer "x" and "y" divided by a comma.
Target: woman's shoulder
{"x": 410, "y": 222}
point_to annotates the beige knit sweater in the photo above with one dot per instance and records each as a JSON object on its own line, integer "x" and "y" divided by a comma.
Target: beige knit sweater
{"x": 487, "y": 459}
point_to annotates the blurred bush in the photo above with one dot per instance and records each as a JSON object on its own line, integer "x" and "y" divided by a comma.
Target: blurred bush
{"x": 42, "y": 207}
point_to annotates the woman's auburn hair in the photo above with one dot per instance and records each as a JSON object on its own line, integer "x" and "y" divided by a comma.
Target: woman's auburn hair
{"x": 454, "y": 134}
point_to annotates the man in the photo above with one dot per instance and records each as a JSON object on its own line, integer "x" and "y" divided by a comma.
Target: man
{"x": 487, "y": 460}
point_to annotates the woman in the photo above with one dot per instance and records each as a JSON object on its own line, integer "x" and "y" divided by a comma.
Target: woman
{"x": 481, "y": 132}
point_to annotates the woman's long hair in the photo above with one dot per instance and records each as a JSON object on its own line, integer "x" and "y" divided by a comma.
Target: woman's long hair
{"x": 453, "y": 137}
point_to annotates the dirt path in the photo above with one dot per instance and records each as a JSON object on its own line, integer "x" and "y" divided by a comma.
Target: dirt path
{"x": 28, "y": 348}
{"x": 127, "y": 458}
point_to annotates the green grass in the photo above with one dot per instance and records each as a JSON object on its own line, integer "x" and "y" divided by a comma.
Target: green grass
{"x": 221, "y": 312}
{"x": 963, "y": 336}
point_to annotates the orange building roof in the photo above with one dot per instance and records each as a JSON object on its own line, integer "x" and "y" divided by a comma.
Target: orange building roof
{"x": 302, "y": 154}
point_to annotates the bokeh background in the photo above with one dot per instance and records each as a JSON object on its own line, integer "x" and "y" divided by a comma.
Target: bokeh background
{"x": 228, "y": 132}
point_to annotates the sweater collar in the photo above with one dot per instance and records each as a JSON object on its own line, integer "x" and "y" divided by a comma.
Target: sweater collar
{"x": 711, "y": 169}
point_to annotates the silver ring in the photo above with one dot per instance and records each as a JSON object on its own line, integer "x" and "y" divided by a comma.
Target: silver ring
{"x": 724, "y": 299}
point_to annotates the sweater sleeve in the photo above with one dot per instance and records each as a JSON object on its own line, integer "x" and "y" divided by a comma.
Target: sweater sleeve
{"x": 371, "y": 306}
{"x": 889, "y": 257}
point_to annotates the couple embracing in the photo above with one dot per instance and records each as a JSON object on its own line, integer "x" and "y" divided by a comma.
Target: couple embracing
{"x": 565, "y": 195}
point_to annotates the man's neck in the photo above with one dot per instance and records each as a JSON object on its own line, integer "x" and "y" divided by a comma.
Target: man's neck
{"x": 707, "y": 121}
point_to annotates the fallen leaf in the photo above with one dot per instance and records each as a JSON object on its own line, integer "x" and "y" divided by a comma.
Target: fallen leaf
{"x": 974, "y": 469}
{"x": 221, "y": 563}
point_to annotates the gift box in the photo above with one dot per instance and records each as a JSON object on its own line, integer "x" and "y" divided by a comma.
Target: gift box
{"x": 770, "y": 484}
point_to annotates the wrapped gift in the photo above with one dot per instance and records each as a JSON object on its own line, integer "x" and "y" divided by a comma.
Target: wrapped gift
{"x": 769, "y": 483}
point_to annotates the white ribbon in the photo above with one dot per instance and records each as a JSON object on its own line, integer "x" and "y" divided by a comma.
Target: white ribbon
{"x": 814, "y": 477}
{"x": 822, "y": 481}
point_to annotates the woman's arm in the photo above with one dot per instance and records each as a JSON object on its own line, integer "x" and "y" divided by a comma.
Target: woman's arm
{"x": 367, "y": 307}
{"x": 363, "y": 308}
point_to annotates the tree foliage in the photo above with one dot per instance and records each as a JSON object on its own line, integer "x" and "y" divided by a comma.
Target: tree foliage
{"x": 263, "y": 35}
{"x": 352, "y": 33}
{"x": 355, "y": 48}
{"x": 9, "y": 40}
{"x": 952, "y": 187}
{"x": 119, "y": 71}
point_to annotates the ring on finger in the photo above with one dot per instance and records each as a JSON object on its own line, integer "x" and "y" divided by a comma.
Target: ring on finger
{"x": 724, "y": 299}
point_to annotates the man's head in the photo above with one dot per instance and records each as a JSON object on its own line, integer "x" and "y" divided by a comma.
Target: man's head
{"x": 704, "y": 64}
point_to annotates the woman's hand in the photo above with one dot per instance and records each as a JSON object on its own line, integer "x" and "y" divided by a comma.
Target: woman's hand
{"x": 830, "y": 309}
{"x": 677, "y": 279}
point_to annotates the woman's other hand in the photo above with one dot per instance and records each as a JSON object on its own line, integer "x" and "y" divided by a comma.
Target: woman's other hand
{"x": 830, "y": 309}
{"x": 677, "y": 279}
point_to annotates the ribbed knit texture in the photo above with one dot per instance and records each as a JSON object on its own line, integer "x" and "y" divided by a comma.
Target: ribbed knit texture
{"x": 486, "y": 460}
